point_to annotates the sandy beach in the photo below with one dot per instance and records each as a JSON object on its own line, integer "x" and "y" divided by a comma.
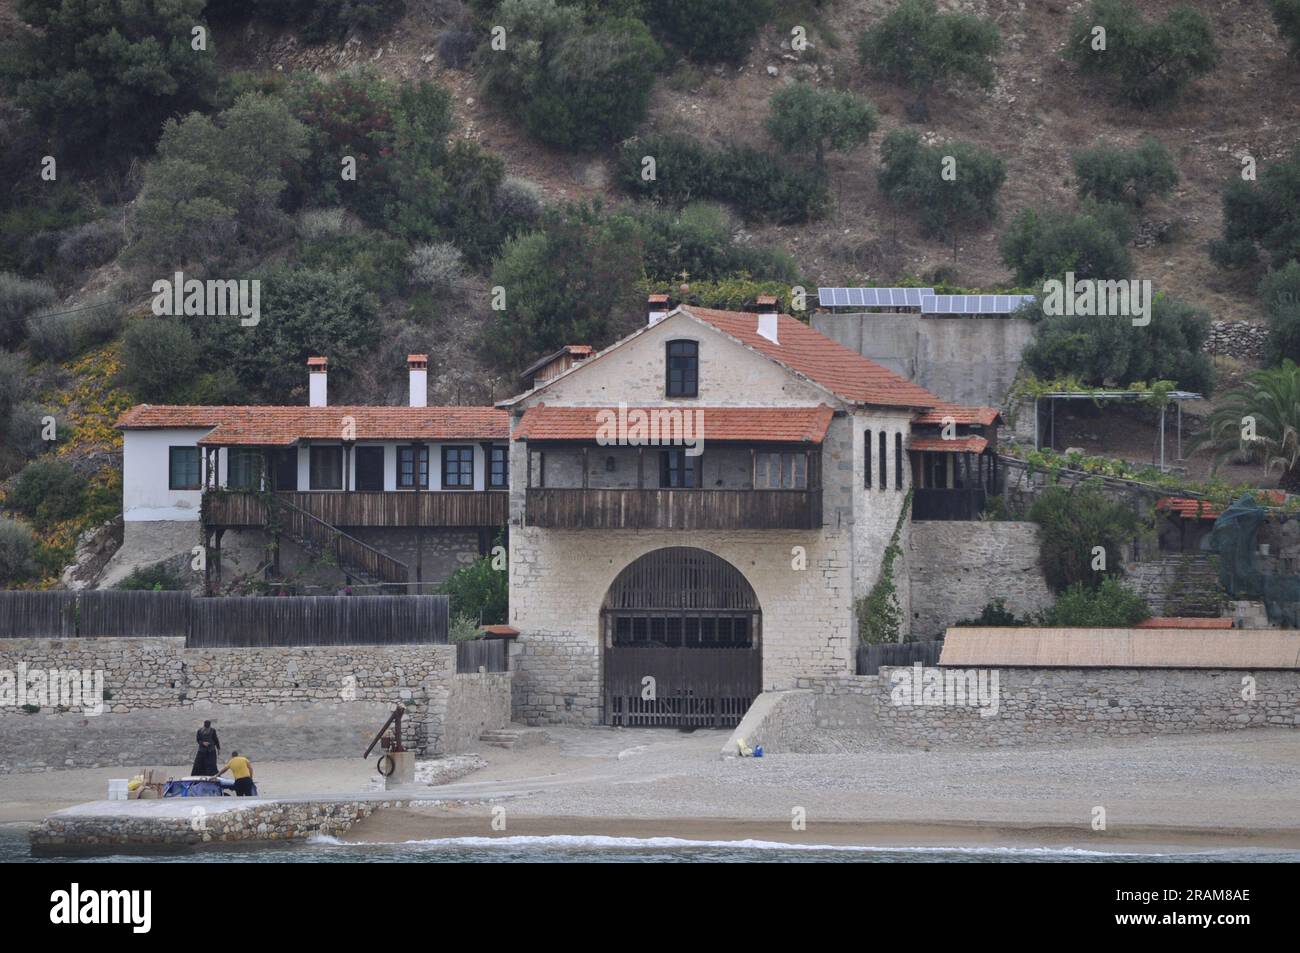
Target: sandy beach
{"x": 1192, "y": 791}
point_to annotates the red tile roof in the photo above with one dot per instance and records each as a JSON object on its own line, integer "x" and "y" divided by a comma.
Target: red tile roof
{"x": 957, "y": 445}
{"x": 747, "y": 424}
{"x": 282, "y": 426}
{"x": 1205, "y": 510}
{"x": 843, "y": 372}
{"x": 983, "y": 416}
{"x": 1184, "y": 622}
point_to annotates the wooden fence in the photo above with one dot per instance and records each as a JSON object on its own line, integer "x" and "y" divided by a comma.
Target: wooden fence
{"x": 488, "y": 653}
{"x": 226, "y": 621}
{"x": 871, "y": 657}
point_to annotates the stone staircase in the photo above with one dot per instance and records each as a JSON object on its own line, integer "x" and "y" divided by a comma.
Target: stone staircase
{"x": 360, "y": 562}
{"x": 1179, "y": 585}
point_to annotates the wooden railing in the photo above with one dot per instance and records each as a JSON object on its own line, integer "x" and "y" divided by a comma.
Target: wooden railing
{"x": 462, "y": 508}
{"x": 348, "y": 551}
{"x": 564, "y": 508}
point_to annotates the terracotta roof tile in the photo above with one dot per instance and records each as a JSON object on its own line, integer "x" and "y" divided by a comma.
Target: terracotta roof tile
{"x": 983, "y": 416}
{"x": 843, "y": 372}
{"x": 724, "y": 424}
{"x": 958, "y": 445}
{"x": 282, "y": 426}
{"x": 1189, "y": 508}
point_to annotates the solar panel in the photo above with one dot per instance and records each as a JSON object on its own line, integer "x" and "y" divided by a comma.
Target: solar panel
{"x": 872, "y": 297}
{"x": 973, "y": 304}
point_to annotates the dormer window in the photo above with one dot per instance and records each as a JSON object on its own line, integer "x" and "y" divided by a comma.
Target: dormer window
{"x": 683, "y": 364}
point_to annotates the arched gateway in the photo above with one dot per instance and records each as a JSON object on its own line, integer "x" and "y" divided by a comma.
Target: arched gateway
{"x": 690, "y": 621}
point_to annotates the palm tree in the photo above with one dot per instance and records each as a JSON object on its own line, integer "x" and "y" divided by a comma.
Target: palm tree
{"x": 1262, "y": 417}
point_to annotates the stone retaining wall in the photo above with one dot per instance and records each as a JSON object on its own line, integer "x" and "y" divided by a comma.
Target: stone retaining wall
{"x": 1240, "y": 339}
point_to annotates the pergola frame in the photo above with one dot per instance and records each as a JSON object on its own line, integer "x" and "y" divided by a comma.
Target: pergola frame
{"x": 1177, "y": 396}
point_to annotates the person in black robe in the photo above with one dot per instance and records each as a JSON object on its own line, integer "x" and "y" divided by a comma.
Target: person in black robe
{"x": 205, "y": 761}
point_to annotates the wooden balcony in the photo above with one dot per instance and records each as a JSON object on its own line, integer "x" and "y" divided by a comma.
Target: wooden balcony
{"x": 435, "y": 508}
{"x": 556, "y": 508}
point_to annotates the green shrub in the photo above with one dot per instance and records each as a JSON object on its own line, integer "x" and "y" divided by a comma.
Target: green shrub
{"x": 376, "y": 259}
{"x": 574, "y": 84}
{"x": 14, "y": 383}
{"x": 160, "y": 360}
{"x": 20, "y": 297}
{"x": 1092, "y": 243}
{"x": 995, "y": 614}
{"x": 48, "y": 491}
{"x": 479, "y": 592}
{"x": 1146, "y": 64}
{"x": 1108, "y": 174}
{"x": 26, "y": 430}
{"x": 100, "y": 76}
{"x": 1261, "y": 216}
{"x": 158, "y": 578}
{"x": 16, "y": 546}
{"x": 59, "y": 335}
{"x": 319, "y": 21}
{"x": 913, "y": 175}
{"x": 756, "y": 184}
{"x": 802, "y": 117}
{"x": 90, "y": 245}
{"x": 1280, "y": 292}
{"x": 697, "y": 240}
{"x": 709, "y": 29}
{"x": 917, "y": 46}
{"x": 1102, "y": 350}
{"x": 1073, "y": 521}
{"x": 1286, "y": 13}
{"x": 1110, "y": 606}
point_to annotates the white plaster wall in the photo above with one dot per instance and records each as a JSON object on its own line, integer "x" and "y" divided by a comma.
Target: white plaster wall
{"x": 145, "y": 495}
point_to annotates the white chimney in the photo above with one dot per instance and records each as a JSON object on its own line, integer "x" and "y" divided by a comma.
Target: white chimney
{"x": 316, "y": 381}
{"x": 419, "y": 368}
{"x": 767, "y": 318}
{"x": 656, "y": 309}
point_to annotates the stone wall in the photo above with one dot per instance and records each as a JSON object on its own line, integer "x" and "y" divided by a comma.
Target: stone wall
{"x": 280, "y": 703}
{"x": 957, "y": 567}
{"x": 1034, "y": 706}
{"x": 1240, "y": 339}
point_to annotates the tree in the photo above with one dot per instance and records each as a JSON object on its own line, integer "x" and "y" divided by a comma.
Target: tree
{"x": 1092, "y": 243}
{"x": 1286, "y": 13}
{"x": 803, "y": 117}
{"x": 1073, "y": 522}
{"x": 1262, "y": 417}
{"x": 950, "y": 187}
{"x": 48, "y": 491}
{"x": 479, "y": 591}
{"x": 1111, "y": 605}
{"x": 1147, "y": 64}
{"x": 160, "y": 360}
{"x": 102, "y": 75}
{"x": 1108, "y": 174}
{"x": 574, "y": 84}
{"x": 709, "y": 29}
{"x": 19, "y": 298}
{"x": 217, "y": 183}
{"x": 573, "y": 281}
{"x": 1261, "y": 216}
{"x": 917, "y": 46}
{"x": 16, "y": 545}
{"x": 1280, "y": 292}
{"x": 321, "y": 20}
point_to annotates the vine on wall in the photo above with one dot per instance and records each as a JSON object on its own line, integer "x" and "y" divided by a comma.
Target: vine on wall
{"x": 879, "y": 615}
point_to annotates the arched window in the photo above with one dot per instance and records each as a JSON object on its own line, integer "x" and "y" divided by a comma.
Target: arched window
{"x": 683, "y": 369}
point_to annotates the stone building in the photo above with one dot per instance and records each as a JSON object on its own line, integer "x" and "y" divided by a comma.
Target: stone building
{"x": 696, "y": 510}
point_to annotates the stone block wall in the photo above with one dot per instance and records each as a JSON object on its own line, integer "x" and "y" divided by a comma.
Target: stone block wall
{"x": 956, "y": 567}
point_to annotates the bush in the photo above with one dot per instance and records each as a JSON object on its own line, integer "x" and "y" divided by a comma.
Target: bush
{"x": 920, "y": 47}
{"x": 1280, "y": 292}
{"x": 479, "y": 592}
{"x": 160, "y": 360}
{"x": 158, "y": 578}
{"x": 16, "y": 545}
{"x": 14, "y": 383}
{"x": 1261, "y": 216}
{"x": 20, "y": 297}
{"x": 709, "y": 29}
{"x": 698, "y": 240}
{"x": 1092, "y": 243}
{"x": 912, "y": 175}
{"x": 1286, "y": 13}
{"x": 456, "y": 47}
{"x": 25, "y": 433}
{"x": 321, "y": 223}
{"x": 574, "y": 84}
{"x": 48, "y": 491}
{"x": 1147, "y": 64}
{"x": 376, "y": 259}
{"x": 90, "y": 245}
{"x": 60, "y": 335}
{"x": 803, "y": 117}
{"x": 322, "y": 20}
{"x": 518, "y": 204}
{"x": 1073, "y": 521}
{"x": 1110, "y": 606}
{"x": 1109, "y": 350}
{"x": 1108, "y": 174}
{"x": 438, "y": 266}
{"x": 758, "y": 186}
{"x": 995, "y": 614}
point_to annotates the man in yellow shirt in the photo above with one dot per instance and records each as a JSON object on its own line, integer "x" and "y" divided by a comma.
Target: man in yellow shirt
{"x": 241, "y": 769}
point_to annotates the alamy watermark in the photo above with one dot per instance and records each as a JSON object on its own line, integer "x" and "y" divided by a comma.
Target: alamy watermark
{"x": 178, "y": 295}
{"x": 946, "y": 688}
{"x": 1128, "y": 298}
{"x": 52, "y": 688}
{"x": 652, "y": 427}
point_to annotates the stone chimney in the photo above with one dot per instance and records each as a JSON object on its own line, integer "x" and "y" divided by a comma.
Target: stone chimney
{"x": 656, "y": 308}
{"x": 418, "y": 364}
{"x": 316, "y": 381}
{"x": 767, "y": 318}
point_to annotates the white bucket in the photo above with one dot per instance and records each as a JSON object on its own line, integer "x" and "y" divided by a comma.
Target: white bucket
{"x": 117, "y": 789}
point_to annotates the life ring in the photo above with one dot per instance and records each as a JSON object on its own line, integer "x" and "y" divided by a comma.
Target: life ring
{"x": 392, "y": 766}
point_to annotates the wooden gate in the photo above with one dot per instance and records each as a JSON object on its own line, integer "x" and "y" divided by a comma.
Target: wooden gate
{"x": 682, "y": 635}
